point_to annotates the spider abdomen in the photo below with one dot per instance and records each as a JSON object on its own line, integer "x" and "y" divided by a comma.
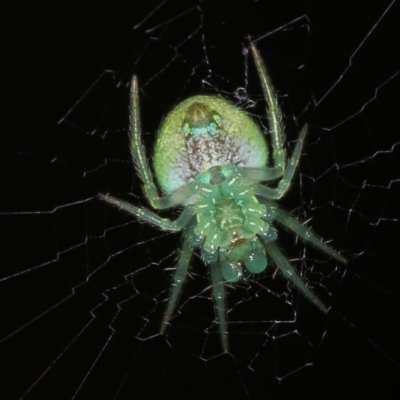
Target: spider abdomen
{"x": 212, "y": 132}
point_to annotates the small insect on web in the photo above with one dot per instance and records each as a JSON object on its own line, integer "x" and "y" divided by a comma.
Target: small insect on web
{"x": 211, "y": 159}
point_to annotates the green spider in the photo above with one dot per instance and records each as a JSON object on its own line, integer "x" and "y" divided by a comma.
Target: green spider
{"x": 210, "y": 159}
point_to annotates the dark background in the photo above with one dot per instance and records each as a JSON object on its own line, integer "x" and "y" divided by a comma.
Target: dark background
{"x": 65, "y": 329}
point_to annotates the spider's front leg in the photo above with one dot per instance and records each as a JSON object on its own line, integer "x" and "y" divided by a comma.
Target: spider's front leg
{"x": 283, "y": 186}
{"x": 274, "y": 115}
{"x": 140, "y": 159}
{"x": 219, "y": 298}
{"x": 137, "y": 148}
{"x": 178, "y": 279}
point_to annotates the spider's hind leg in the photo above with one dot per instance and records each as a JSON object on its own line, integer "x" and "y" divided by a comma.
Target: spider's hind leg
{"x": 177, "y": 281}
{"x": 290, "y": 273}
{"x": 219, "y": 298}
{"x": 306, "y": 234}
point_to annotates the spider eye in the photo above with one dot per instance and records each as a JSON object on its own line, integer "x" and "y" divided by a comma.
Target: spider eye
{"x": 256, "y": 262}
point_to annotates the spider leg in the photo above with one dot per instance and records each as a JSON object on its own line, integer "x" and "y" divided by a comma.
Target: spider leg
{"x": 150, "y": 217}
{"x": 177, "y": 281}
{"x": 137, "y": 148}
{"x": 283, "y": 186}
{"x": 291, "y": 274}
{"x": 306, "y": 234}
{"x": 219, "y": 298}
{"x": 260, "y": 174}
{"x": 140, "y": 159}
{"x": 285, "y": 182}
{"x": 274, "y": 114}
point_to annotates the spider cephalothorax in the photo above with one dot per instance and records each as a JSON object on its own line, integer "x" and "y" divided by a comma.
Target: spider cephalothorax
{"x": 230, "y": 221}
{"x": 211, "y": 159}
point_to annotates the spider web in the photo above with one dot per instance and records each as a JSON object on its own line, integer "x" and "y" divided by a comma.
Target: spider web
{"x": 85, "y": 286}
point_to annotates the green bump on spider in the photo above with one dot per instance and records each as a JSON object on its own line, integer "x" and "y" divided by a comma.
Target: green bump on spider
{"x": 255, "y": 261}
{"x": 231, "y": 271}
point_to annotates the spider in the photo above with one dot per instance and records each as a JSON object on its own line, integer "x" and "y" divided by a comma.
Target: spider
{"x": 210, "y": 159}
